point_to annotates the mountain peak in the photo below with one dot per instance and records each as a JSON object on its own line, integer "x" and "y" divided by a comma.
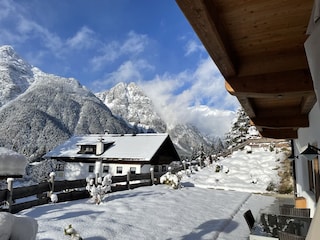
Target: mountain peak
{"x": 8, "y": 53}
{"x": 7, "y": 49}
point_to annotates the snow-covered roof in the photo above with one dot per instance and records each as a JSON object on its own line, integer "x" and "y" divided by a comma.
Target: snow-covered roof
{"x": 128, "y": 146}
{"x": 11, "y": 163}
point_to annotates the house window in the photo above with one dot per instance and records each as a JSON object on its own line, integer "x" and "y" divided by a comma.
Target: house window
{"x": 87, "y": 149}
{"x": 156, "y": 168}
{"x": 313, "y": 173}
{"x": 164, "y": 168}
{"x": 91, "y": 168}
{"x": 105, "y": 169}
{"x": 133, "y": 170}
{"x": 310, "y": 173}
{"x": 59, "y": 167}
{"x": 119, "y": 170}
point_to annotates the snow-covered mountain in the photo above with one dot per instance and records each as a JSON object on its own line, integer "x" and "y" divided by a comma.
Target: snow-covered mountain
{"x": 15, "y": 75}
{"x": 40, "y": 110}
{"x": 129, "y": 102}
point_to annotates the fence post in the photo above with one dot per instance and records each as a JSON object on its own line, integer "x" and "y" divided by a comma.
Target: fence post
{"x": 51, "y": 180}
{"x": 184, "y": 165}
{"x": 10, "y": 189}
{"x": 128, "y": 180}
{"x": 152, "y": 176}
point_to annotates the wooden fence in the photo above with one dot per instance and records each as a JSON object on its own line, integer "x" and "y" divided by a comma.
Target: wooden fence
{"x": 22, "y": 198}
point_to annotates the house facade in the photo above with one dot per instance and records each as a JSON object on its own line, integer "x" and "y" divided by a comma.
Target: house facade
{"x": 114, "y": 154}
{"x": 307, "y": 165}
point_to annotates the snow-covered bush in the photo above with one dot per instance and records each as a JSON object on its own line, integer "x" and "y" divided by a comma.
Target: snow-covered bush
{"x": 99, "y": 190}
{"x": 54, "y": 198}
{"x": 248, "y": 149}
{"x": 171, "y": 179}
{"x": 188, "y": 172}
{"x": 72, "y": 233}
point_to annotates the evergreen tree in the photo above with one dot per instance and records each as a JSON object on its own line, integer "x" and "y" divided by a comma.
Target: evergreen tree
{"x": 239, "y": 130}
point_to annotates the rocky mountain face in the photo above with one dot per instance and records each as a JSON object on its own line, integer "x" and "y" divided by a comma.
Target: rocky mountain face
{"x": 129, "y": 102}
{"x": 38, "y": 111}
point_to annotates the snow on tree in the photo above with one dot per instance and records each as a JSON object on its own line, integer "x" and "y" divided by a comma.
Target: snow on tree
{"x": 74, "y": 235}
{"x": 171, "y": 179}
{"x": 239, "y": 130}
{"x": 99, "y": 189}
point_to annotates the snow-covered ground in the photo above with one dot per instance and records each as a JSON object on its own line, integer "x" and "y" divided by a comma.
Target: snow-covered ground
{"x": 199, "y": 210}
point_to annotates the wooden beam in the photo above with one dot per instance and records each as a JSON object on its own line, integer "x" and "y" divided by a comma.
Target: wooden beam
{"x": 289, "y": 83}
{"x": 278, "y": 62}
{"x": 278, "y": 112}
{"x": 205, "y": 23}
{"x": 307, "y": 103}
{"x": 247, "y": 106}
{"x": 282, "y": 122}
{"x": 279, "y": 133}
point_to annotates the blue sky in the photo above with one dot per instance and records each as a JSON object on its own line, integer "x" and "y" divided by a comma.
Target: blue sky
{"x": 103, "y": 42}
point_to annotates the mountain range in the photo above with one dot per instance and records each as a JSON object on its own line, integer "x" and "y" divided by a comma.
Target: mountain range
{"x": 39, "y": 111}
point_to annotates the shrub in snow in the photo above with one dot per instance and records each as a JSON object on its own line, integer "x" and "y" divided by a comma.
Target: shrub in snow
{"x": 99, "y": 190}
{"x": 54, "y": 198}
{"x": 225, "y": 169}
{"x": 173, "y": 180}
{"x": 72, "y": 233}
{"x": 17, "y": 227}
{"x": 248, "y": 149}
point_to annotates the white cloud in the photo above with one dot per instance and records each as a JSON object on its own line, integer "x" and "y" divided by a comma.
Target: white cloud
{"x": 22, "y": 28}
{"x": 192, "y": 47}
{"x": 129, "y": 71}
{"x": 6, "y": 8}
{"x": 204, "y": 86}
{"x": 132, "y": 46}
{"x": 84, "y": 38}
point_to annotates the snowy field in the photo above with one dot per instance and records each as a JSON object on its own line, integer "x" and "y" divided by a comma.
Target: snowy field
{"x": 199, "y": 210}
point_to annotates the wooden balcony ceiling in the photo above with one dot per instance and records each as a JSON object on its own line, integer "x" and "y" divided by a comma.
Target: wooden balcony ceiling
{"x": 258, "y": 47}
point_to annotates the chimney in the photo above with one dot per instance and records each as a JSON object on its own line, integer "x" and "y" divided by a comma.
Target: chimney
{"x": 100, "y": 146}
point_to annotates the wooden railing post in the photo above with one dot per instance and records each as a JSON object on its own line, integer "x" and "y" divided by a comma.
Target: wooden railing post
{"x": 152, "y": 176}
{"x": 184, "y": 165}
{"x": 51, "y": 180}
{"x": 128, "y": 180}
{"x": 9, "y": 196}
